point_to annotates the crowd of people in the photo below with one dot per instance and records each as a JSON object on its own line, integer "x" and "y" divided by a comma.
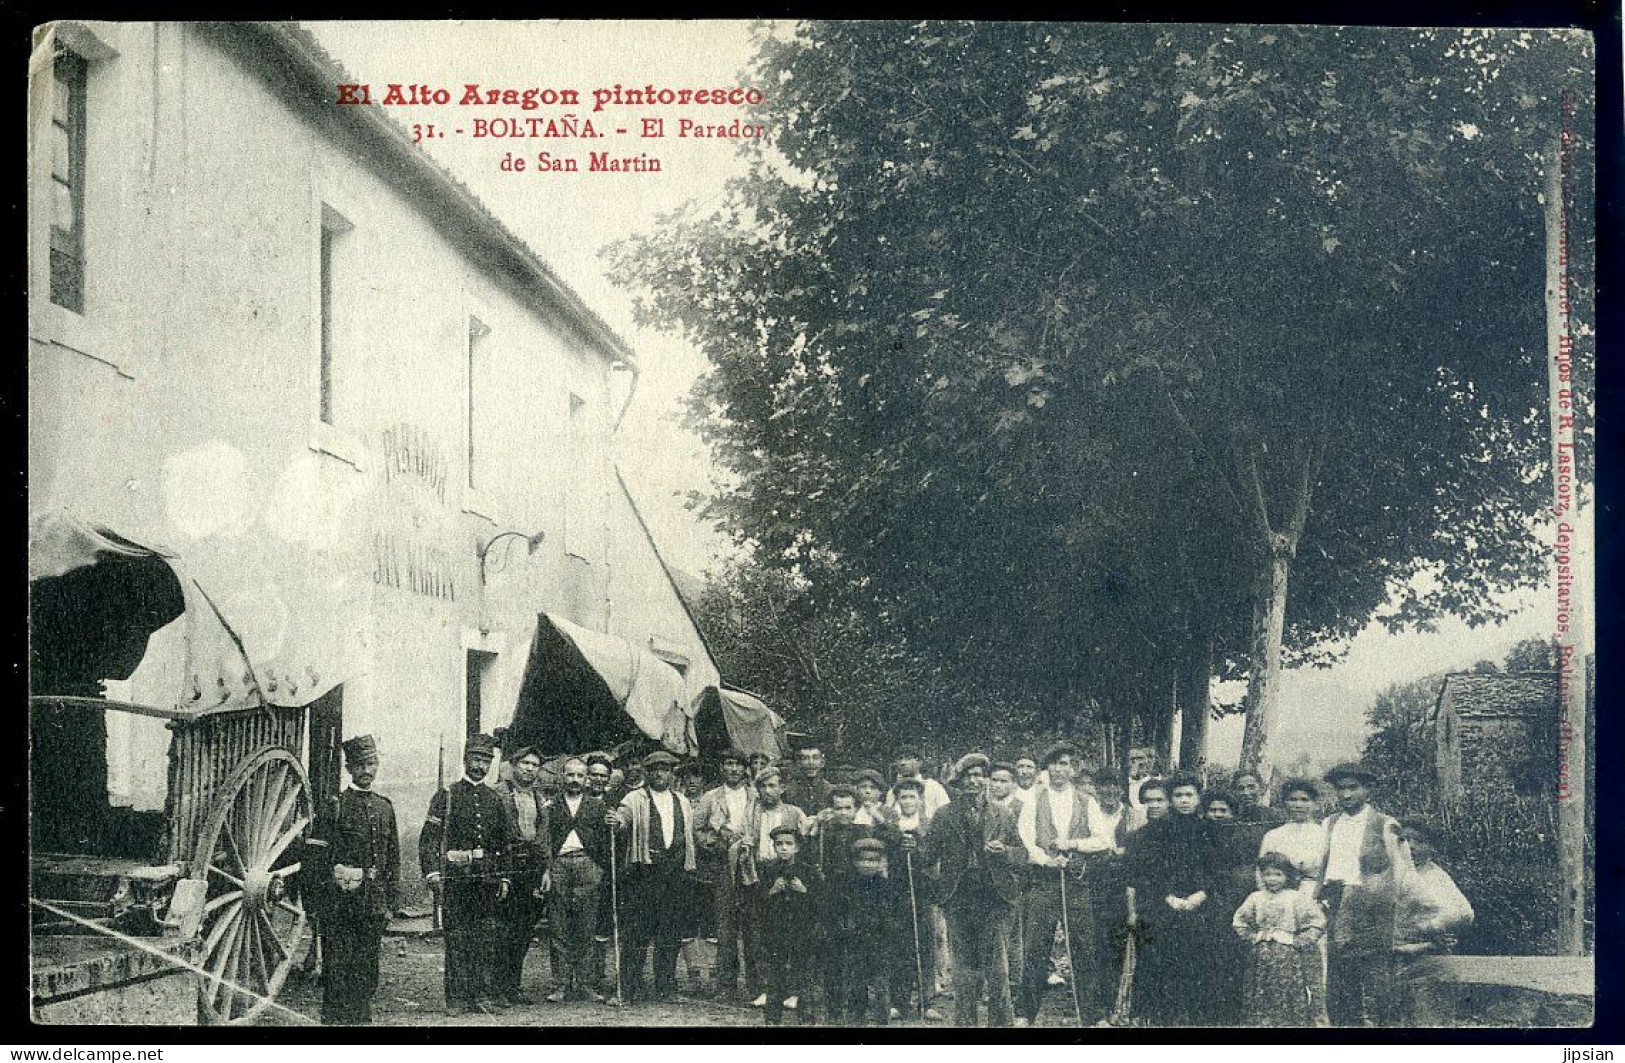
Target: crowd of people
{"x": 1146, "y": 899}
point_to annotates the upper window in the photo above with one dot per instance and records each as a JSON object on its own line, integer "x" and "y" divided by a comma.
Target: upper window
{"x": 334, "y": 228}
{"x": 477, "y": 332}
{"x": 68, "y": 182}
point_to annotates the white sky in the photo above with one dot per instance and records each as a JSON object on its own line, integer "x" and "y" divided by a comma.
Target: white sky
{"x": 567, "y": 218}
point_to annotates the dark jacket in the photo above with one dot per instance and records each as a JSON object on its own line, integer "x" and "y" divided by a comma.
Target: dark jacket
{"x": 588, "y": 824}
{"x": 954, "y": 843}
{"x": 357, "y": 830}
{"x": 477, "y": 819}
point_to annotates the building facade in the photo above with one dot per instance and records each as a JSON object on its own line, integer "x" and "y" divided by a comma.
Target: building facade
{"x": 272, "y": 338}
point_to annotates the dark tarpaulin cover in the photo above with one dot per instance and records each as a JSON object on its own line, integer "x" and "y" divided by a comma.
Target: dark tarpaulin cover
{"x": 564, "y": 705}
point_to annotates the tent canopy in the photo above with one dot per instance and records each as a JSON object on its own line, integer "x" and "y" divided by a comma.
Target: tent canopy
{"x": 726, "y": 717}
{"x": 585, "y": 690}
{"x": 96, "y": 602}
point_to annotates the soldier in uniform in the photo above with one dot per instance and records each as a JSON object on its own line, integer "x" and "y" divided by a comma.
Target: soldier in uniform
{"x": 352, "y": 864}
{"x": 464, "y": 852}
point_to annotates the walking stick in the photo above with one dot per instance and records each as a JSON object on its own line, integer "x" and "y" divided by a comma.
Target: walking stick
{"x": 615, "y": 919}
{"x": 914, "y": 919}
{"x": 1123, "y": 1009}
{"x": 1066, "y": 931}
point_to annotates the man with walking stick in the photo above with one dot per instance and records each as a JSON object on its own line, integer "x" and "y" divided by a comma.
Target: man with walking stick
{"x": 1057, "y": 827}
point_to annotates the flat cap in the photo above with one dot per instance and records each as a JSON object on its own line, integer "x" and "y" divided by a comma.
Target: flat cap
{"x": 598, "y": 756}
{"x": 969, "y": 761}
{"x": 766, "y": 775}
{"x": 659, "y": 759}
{"x": 784, "y": 828}
{"x": 1056, "y": 752}
{"x": 1350, "y": 770}
{"x": 870, "y": 775}
{"x": 868, "y": 845}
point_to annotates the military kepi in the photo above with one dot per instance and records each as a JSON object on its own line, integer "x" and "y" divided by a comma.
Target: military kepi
{"x": 481, "y": 743}
{"x": 360, "y": 748}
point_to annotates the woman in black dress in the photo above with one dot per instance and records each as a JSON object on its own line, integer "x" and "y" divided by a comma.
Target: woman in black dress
{"x": 1171, "y": 873}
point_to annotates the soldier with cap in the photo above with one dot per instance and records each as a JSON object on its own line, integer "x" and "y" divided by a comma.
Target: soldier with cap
{"x": 464, "y": 853}
{"x": 658, "y": 823}
{"x": 352, "y": 863}
{"x": 1358, "y": 892}
{"x": 527, "y": 866}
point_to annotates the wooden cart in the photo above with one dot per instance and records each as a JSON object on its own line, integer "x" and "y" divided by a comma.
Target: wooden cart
{"x": 237, "y": 809}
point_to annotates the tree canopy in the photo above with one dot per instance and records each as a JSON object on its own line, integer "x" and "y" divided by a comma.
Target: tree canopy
{"x": 1057, "y": 349}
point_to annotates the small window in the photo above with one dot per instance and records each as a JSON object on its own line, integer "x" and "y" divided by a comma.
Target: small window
{"x": 68, "y": 182}
{"x": 334, "y": 229}
{"x": 477, "y": 332}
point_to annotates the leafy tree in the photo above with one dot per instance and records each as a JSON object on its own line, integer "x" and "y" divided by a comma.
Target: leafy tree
{"x": 1063, "y": 351}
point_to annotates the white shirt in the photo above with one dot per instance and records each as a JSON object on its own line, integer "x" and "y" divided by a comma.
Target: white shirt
{"x": 665, "y": 802}
{"x": 1060, "y": 810}
{"x": 572, "y": 841}
{"x": 915, "y": 823}
{"x": 1347, "y": 834}
{"x": 765, "y": 823}
{"x": 735, "y": 800}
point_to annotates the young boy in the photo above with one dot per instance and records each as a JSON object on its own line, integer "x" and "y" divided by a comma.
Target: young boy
{"x": 791, "y": 899}
{"x": 868, "y": 936}
{"x": 912, "y": 819}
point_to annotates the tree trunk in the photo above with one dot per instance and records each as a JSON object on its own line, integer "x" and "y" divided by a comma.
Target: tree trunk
{"x": 1161, "y": 734}
{"x": 1263, "y": 679}
{"x": 1195, "y": 705}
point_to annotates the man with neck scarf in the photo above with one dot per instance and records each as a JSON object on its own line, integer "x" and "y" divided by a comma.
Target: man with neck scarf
{"x": 528, "y": 867}
{"x": 658, "y": 827}
{"x": 352, "y": 862}
{"x": 463, "y": 852}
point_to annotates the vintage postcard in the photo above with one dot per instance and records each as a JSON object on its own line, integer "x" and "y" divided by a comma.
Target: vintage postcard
{"x": 727, "y": 524}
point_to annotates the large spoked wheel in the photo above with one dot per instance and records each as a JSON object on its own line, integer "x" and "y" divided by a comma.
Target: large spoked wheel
{"x": 253, "y": 923}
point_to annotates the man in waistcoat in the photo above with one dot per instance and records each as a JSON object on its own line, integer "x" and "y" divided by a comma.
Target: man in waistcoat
{"x": 1358, "y": 891}
{"x": 352, "y": 861}
{"x": 1058, "y": 827}
{"x": 528, "y": 863}
{"x": 658, "y": 825}
{"x": 578, "y": 841}
{"x": 463, "y": 852}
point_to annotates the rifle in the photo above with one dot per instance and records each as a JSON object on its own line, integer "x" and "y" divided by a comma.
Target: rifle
{"x": 440, "y": 787}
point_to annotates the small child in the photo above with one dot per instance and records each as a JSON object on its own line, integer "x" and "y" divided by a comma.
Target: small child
{"x": 1283, "y": 926}
{"x": 866, "y": 923}
{"x": 791, "y": 901}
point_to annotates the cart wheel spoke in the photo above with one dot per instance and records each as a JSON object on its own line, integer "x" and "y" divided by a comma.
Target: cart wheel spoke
{"x": 228, "y": 949}
{"x": 224, "y": 898}
{"x": 284, "y": 799}
{"x": 287, "y": 839}
{"x": 291, "y": 909}
{"x": 236, "y": 850}
{"x": 271, "y": 932}
{"x": 216, "y": 932}
{"x": 228, "y": 876}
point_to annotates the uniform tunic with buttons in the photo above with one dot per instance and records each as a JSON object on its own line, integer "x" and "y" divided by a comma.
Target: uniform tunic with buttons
{"x": 356, "y": 837}
{"x": 466, "y": 837}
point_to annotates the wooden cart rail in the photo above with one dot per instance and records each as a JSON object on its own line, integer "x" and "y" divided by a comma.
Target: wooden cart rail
{"x": 204, "y": 752}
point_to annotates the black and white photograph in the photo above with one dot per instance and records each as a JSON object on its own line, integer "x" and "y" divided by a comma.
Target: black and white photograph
{"x": 744, "y": 524}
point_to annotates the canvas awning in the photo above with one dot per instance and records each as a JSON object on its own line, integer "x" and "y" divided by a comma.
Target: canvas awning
{"x": 104, "y": 606}
{"x": 585, "y": 689}
{"x": 741, "y": 720}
